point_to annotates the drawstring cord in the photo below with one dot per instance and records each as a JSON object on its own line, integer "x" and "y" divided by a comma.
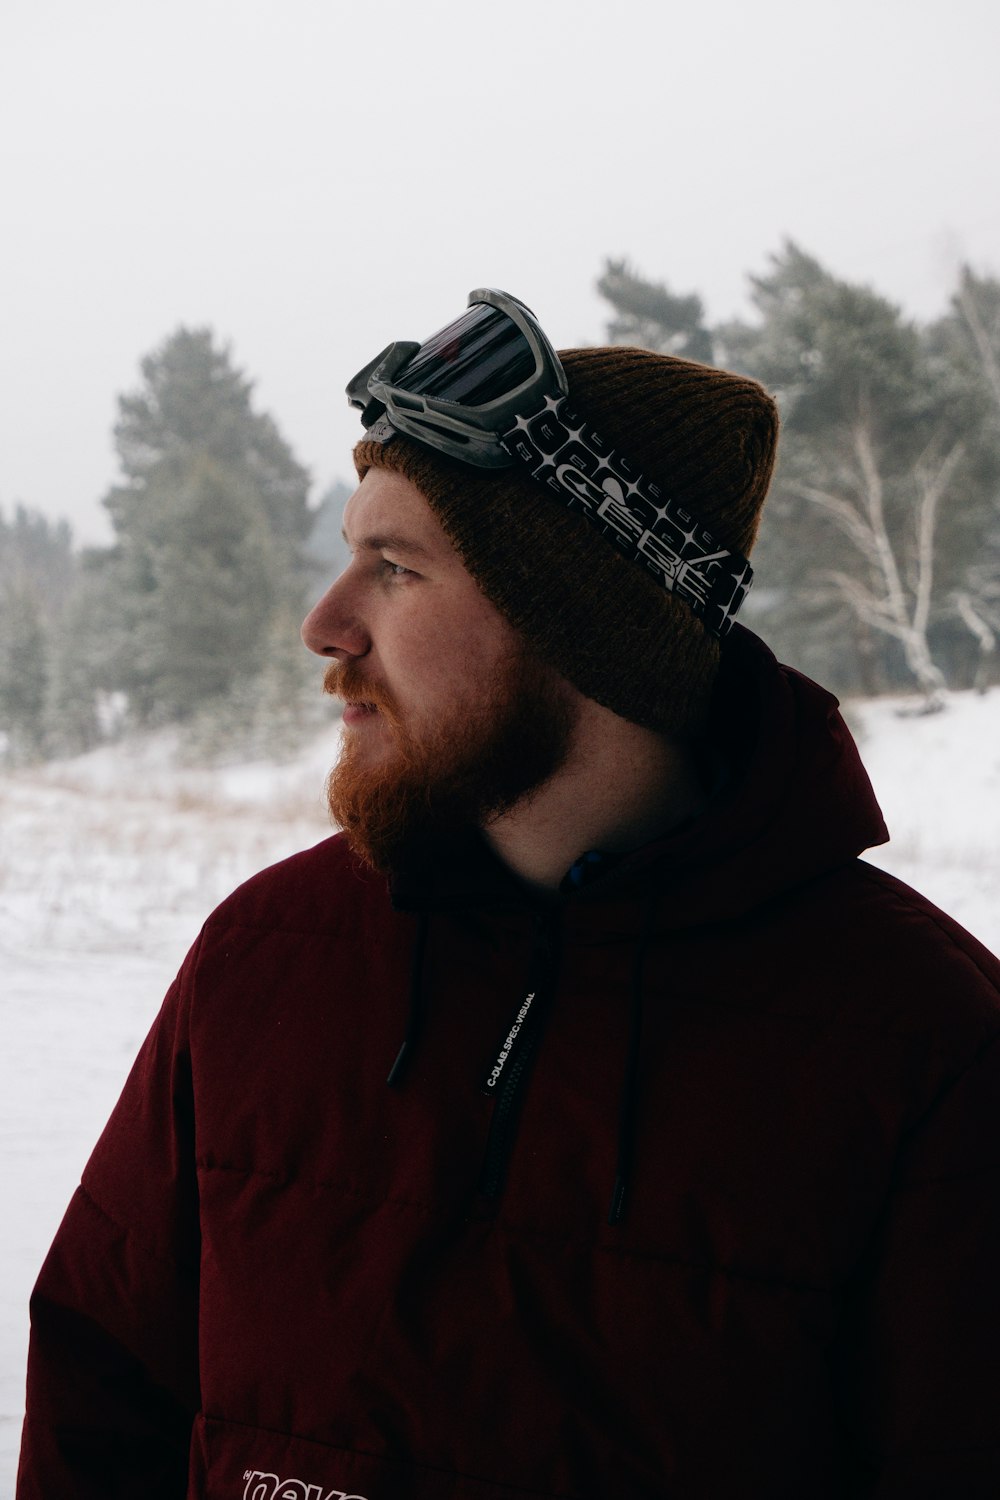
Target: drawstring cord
{"x": 414, "y": 1020}
{"x": 630, "y": 1078}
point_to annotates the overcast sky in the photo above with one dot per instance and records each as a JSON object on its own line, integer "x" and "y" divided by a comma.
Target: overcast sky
{"x": 313, "y": 179}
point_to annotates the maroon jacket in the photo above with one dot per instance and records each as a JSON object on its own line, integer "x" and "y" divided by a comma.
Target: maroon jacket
{"x": 778, "y": 1060}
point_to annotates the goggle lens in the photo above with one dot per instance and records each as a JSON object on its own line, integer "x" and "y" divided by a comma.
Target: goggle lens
{"x": 478, "y": 357}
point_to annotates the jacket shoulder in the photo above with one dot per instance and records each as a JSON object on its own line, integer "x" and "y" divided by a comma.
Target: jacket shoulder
{"x": 301, "y": 892}
{"x": 898, "y": 963}
{"x": 915, "y": 922}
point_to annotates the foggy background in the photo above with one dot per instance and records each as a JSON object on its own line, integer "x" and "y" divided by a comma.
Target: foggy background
{"x": 312, "y": 179}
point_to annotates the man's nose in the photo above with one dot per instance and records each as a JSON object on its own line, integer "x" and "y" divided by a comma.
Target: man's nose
{"x": 332, "y": 627}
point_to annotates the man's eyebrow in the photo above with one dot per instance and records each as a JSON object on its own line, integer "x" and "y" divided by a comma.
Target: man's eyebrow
{"x": 389, "y": 541}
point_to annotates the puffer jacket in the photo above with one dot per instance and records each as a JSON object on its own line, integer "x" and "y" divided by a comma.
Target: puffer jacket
{"x": 685, "y": 1184}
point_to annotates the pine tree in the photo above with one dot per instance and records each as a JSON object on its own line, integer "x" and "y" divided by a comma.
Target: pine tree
{"x": 647, "y": 313}
{"x": 23, "y": 667}
{"x": 210, "y": 524}
{"x": 195, "y": 403}
{"x": 37, "y": 577}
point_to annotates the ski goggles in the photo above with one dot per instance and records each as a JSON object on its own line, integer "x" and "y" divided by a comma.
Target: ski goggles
{"x": 489, "y": 389}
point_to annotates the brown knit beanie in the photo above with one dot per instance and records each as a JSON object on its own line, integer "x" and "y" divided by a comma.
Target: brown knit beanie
{"x": 706, "y": 437}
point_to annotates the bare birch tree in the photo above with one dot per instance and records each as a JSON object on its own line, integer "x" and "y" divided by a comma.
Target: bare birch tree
{"x": 968, "y": 299}
{"x": 889, "y": 598}
{"x": 977, "y": 303}
{"x": 884, "y": 473}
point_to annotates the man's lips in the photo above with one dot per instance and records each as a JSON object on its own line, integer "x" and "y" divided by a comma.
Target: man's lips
{"x": 357, "y": 713}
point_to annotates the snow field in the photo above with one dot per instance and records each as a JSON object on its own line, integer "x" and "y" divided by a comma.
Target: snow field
{"x": 937, "y": 779}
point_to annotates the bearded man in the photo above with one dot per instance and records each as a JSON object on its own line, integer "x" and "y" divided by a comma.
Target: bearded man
{"x": 683, "y": 1182}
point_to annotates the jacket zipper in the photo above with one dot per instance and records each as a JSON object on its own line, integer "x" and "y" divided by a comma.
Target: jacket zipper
{"x": 508, "y": 1078}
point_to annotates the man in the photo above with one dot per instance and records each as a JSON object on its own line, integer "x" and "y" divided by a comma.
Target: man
{"x": 684, "y": 1180}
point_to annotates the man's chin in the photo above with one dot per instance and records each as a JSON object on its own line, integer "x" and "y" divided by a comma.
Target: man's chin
{"x": 367, "y": 739}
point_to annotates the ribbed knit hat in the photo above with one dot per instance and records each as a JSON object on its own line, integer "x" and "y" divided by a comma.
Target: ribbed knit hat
{"x": 705, "y": 436}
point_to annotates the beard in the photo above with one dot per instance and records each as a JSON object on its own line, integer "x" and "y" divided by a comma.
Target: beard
{"x": 487, "y": 752}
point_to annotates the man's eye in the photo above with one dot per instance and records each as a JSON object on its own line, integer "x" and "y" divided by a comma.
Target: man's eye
{"x": 396, "y": 570}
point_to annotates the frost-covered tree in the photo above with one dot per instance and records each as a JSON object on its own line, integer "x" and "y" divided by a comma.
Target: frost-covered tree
{"x": 37, "y": 548}
{"x": 37, "y": 575}
{"x": 647, "y": 313}
{"x": 880, "y": 556}
{"x": 965, "y": 345}
{"x": 194, "y": 403}
{"x": 23, "y": 667}
{"x": 876, "y": 486}
{"x": 210, "y": 523}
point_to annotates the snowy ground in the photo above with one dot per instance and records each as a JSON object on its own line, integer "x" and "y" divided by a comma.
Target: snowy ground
{"x": 937, "y": 779}
{"x": 109, "y": 864}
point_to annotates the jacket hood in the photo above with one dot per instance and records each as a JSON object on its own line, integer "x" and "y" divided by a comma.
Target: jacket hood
{"x": 795, "y": 803}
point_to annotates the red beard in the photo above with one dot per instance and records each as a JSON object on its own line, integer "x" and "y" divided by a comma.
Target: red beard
{"x": 475, "y": 763}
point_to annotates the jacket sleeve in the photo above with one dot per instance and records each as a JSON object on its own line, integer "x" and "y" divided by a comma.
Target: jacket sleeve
{"x": 112, "y": 1367}
{"x": 921, "y": 1371}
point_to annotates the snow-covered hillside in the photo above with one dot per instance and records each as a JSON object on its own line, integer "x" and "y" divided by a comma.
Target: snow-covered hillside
{"x": 937, "y": 779}
{"x": 108, "y": 865}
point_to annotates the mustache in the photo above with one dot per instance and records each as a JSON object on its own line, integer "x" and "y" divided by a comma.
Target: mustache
{"x": 346, "y": 680}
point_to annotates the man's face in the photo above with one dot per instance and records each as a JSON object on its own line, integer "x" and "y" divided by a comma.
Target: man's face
{"x": 449, "y": 719}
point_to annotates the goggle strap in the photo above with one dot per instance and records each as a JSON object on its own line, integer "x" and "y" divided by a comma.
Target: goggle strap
{"x": 569, "y": 457}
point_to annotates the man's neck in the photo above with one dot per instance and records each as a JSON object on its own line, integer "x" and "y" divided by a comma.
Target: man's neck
{"x": 620, "y": 787}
